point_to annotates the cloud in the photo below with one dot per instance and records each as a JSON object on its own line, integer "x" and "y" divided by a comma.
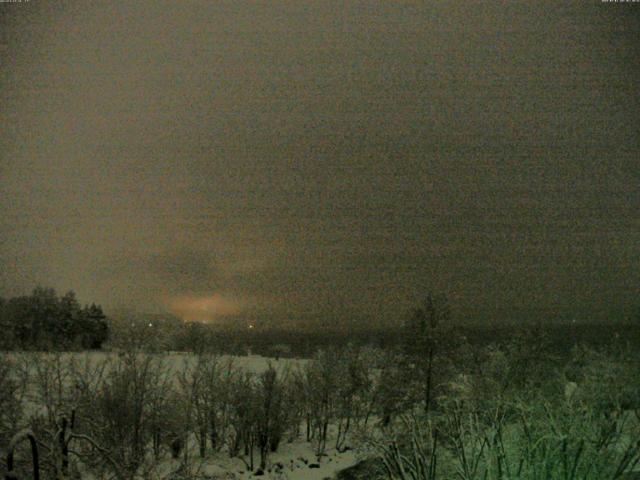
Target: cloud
{"x": 310, "y": 162}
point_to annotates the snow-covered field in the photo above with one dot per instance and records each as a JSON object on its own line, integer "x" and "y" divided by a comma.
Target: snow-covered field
{"x": 253, "y": 363}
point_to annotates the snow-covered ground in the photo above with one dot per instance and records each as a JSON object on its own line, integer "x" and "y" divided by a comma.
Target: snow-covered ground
{"x": 293, "y": 461}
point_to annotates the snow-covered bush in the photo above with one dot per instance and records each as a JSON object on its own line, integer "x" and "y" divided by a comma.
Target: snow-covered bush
{"x": 495, "y": 426}
{"x": 12, "y": 388}
{"x": 126, "y": 412}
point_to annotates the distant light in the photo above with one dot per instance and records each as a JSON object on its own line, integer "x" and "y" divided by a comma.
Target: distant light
{"x": 250, "y": 326}
{"x": 151, "y": 324}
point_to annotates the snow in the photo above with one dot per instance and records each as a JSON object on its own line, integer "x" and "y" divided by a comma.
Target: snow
{"x": 295, "y": 459}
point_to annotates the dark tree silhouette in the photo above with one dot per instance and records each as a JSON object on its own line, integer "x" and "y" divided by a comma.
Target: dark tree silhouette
{"x": 45, "y": 321}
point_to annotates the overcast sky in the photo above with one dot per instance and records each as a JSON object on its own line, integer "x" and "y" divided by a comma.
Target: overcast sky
{"x": 320, "y": 158}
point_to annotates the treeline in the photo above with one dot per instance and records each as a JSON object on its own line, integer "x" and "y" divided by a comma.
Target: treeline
{"x": 157, "y": 333}
{"x": 277, "y": 342}
{"x": 164, "y": 332}
{"x": 46, "y": 321}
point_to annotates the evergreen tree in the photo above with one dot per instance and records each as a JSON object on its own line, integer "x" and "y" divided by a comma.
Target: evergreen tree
{"x": 45, "y": 321}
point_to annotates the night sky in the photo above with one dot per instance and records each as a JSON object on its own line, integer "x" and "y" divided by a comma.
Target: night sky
{"x": 320, "y": 159}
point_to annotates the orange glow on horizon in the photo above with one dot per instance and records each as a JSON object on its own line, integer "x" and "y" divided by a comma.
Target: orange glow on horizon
{"x": 203, "y": 308}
